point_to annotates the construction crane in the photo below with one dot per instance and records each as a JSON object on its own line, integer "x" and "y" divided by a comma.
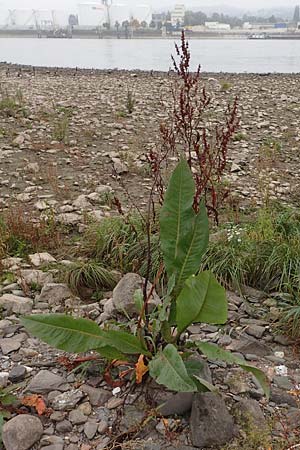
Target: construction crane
{"x": 107, "y": 4}
{"x": 11, "y": 18}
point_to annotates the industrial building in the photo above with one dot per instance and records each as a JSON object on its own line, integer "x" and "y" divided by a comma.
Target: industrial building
{"x": 89, "y": 14}
{"x": 177, "y": 15}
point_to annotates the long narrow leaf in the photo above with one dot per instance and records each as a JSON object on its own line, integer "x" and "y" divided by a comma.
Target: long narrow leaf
{"x": 176, "y": 217}
{"x": 213, "y": 352}
{"x": 78, "y": 335}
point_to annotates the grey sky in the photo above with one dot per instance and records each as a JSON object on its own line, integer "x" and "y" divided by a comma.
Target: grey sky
{"x": 67, "y": 4}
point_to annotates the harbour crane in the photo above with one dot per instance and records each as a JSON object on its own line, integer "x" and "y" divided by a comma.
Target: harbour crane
{"x": 107, "y": 4}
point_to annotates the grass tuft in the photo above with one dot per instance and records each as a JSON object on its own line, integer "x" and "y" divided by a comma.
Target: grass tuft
{"x": 89, "y": 275}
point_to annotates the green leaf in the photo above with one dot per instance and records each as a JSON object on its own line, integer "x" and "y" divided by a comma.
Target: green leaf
{"x": 183, "y": 234}
{"x": 1, "y": 425}
{"x": 168, "y": 368}
{"x": 202, "y": 299}
{"x": 176, "y": 216}
{"x": 78, "y": 335}
{"x": 194, "y": 369}
{"x": 126, "y": 342}
{"x": 110, "y": 353}
{"x": 203, "y": 385}
{"x": 195, "y": 246}
{"x": 138, "y": 300}
{"x": 65, "y": 332}
{"x": 213, "y": 352}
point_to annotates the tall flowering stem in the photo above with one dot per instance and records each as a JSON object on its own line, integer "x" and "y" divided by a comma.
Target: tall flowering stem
{"x": 187, "y": 133}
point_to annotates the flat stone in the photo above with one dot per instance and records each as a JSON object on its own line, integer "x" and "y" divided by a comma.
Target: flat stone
{"x": 55, "y": 293}
{"x": 256, "y": 331}
{"x": 67, "y": 401}
{"x": 283, "y": 382}
{"x": 17, "y": 374}
{"x": 77, "y": 417}
{"x": 250, "y": 346}
{"x": 14, "y": 304}
{"x": 281, "y": 397}
{"x": 46, "y": 381}
{"x": 35, "y": 276}
{"x": 9, "y": 345}
{"x": 64, "y": 426}
{"x": 90, "y": 429}
{"x": 97, "y": 396}
{"x": 22, "y": 432}
{"x": 38, "y": 259}
{"x": 281, "y": 339}
{"x": 210, "y": 422}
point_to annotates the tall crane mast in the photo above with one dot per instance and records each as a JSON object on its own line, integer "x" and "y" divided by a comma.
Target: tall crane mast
{"x": 107, "y": 4}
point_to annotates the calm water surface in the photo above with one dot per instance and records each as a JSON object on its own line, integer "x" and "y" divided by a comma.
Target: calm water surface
{"x": 146, "y": 54}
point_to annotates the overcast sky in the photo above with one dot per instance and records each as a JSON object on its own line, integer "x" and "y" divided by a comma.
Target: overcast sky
{"x": 67, "y": 4}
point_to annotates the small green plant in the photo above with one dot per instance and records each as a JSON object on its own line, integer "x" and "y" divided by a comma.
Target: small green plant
{"x": 238, "y": 137}
{"x": 61, "y": 129}
{"x": 12, "y": 105}
{"x": 190, "y": 297}
{"x": 225, "y": 86}
{"x": 89, "y": 275}
{"x": 130, "y": 101}
{"x": 7, "y": 399}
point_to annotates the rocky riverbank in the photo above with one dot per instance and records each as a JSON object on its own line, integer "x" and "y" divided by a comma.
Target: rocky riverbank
{"x": 68, "y": 142}
{"x": 73, "y": 128}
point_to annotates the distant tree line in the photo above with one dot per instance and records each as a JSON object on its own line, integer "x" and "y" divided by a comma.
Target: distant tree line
{"x": 199, "y": 18}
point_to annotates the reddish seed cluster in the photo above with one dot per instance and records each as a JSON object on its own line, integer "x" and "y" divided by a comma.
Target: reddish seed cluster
{"x": 185, "y": 134}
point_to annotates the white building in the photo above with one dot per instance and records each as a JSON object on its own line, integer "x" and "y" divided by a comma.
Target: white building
{"x": 93, "y": 14}
{"x": 217, "y": 26}
{"x": 177, "y": 15}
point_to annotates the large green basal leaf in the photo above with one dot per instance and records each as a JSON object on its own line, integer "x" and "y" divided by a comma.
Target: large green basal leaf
{"x": 213, "y": 352}
{"x": 193, "y": 247}
{"x": 183, "y": 234}
{"x": 78, "y": 335}
{"x": 202, "y": 299}
{"x": 176, "y": 216}
{"x": 126, "y": 343}
{"x": 168, "y": 368}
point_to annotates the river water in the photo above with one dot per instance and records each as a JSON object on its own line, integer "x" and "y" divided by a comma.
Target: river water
{"x": 215, "y": 55}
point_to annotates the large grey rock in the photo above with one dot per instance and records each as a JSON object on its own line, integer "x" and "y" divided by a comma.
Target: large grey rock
{"x": 55, "y": 293}
{"x": 250, "y": 346}
{"x": 34, "y": 276}
{"x": 46, "y": 381}
{"x": 210, "y": 422}
{"x": 124, "y": 292}
{"x": 38, "y": 259}
{"x": 14, "y": 304}
{"x": 22, "y": 432}
{"x": 249, "y": 412}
